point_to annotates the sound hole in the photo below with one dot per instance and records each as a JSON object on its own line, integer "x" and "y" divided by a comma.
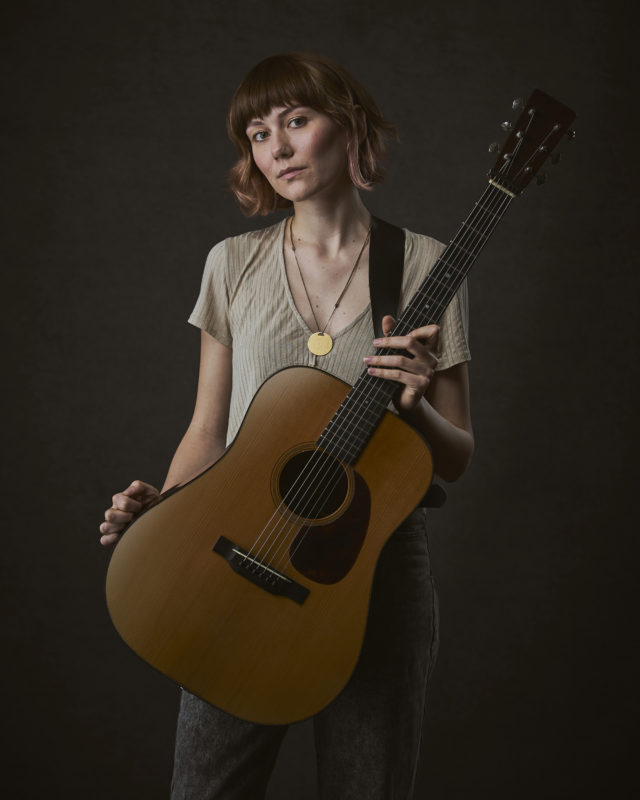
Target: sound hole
{"x": 313, "y": 484}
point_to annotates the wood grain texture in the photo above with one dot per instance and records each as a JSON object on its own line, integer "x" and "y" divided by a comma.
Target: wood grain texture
{"x": 181, "y": 607}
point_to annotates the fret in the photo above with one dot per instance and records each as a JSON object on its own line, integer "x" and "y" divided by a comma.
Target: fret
{"x": 436, "y": 280}
{"x": 464, "y": 250}
{"x": 474, "y": 229}
{"x": 486, "y": 210}
{"x": 444, "y": 260}
{"x": 349, "y": 413}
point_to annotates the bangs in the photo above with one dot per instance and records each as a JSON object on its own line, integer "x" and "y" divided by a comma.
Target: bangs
{"x": 283, "y": 81}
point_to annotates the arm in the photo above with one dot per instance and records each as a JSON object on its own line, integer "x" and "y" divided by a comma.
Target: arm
{"x": 205, "y": 438}
{"x": 203, "y": 443}
{"x": 443, "y": 415}
{"x": 437, "y": 403}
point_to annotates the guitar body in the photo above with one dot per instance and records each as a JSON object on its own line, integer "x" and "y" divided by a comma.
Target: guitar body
{"x": 192, "y": 593}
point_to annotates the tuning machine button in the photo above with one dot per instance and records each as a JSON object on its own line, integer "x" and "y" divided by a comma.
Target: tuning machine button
{"x": 541, "y": 178}
{"x": 517, "y": 104}
{"x": 571, "y": 135}
{"x": 494, "y": 147}
{"x": 506, "y": 125}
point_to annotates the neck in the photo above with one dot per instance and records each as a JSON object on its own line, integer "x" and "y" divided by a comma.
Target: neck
{"x": 331, "y": 223}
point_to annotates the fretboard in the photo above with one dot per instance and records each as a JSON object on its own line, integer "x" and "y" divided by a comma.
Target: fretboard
{"x": 360, "y": 413}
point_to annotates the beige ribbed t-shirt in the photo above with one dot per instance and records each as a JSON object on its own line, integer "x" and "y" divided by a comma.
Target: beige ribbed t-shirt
{"x": 245, "y": 303}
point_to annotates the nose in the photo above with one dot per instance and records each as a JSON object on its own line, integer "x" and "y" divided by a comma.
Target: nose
{"x": 280, "y": 145}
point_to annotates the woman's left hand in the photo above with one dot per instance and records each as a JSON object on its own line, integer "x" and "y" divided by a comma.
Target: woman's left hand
{"x": 415, "y": 372}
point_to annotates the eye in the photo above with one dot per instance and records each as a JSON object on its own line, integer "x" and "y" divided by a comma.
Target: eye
{"x": 297, "y": 122}
{"x": 259, "y": 136}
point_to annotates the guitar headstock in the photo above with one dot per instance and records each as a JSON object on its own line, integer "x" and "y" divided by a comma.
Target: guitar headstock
{"x": 537, "y": 132}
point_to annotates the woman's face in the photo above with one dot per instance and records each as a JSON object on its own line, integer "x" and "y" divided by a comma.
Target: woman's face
{"x": 301, "y": 152}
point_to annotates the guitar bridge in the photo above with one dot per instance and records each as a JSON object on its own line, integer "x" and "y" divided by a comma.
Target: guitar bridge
{"x": 258, "y": 572}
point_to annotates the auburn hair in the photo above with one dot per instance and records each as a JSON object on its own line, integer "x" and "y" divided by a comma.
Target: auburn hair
{"x": 304, "y": 79}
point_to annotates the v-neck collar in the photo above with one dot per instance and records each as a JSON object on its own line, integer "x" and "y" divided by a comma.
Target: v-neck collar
{"x": 289, "y": 293}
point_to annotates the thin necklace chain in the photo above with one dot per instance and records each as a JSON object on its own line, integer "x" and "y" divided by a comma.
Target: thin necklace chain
{"x": 346, "y": 286}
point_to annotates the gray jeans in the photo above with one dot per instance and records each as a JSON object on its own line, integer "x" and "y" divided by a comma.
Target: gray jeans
{"x": 368, "y": 738}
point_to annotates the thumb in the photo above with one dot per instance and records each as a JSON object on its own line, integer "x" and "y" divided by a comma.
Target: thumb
{"x": 387, "y": 324}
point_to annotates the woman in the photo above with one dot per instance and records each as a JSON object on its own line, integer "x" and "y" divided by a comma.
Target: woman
{"x": 309, "y": 138}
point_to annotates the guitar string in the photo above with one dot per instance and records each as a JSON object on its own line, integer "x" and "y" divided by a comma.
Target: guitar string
{"x": 329, "y": 482}
{"x": 479, "y": 242}
{"x": 307, "y": 472}
{"x": 332, "y": 475}
{"x": 506, "y": 169}
{"x": 339, "y": 471}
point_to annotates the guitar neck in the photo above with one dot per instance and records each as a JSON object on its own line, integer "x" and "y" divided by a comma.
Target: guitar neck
{"x": 538, "y": 130}
{"x": 358, "y": 416}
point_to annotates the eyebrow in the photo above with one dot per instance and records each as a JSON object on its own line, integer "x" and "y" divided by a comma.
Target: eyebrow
{"x": 256, "y": 121}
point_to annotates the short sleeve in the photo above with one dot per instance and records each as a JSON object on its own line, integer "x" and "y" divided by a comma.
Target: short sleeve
{"x": 454, "y": 331}
{"x": 211, "y": 312}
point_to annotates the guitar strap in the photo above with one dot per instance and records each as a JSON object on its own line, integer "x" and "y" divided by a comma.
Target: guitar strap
{"x": 386, "y": 264}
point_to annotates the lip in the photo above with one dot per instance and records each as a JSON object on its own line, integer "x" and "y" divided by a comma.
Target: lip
{"x": 290, "y": 172}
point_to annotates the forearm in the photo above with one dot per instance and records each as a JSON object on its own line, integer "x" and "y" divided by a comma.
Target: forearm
{"x": 451, "y": 446}
{"x": 197, "y": 450}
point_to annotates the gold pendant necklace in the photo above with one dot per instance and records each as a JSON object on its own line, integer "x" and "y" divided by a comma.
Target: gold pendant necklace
{"x": 320, "y": 343}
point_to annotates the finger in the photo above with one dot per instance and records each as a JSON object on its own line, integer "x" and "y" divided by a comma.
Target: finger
{"x": 109, "y": 538}
{"x": 428, "y": 334}
{"x": 111, "y": 527}
{"x": 121, "y": 502}
{"x": 117, "y": 516}
{"x": 140, "y": 489}
{"x": 401, "y": 362}
{"x": 412, "y": 380}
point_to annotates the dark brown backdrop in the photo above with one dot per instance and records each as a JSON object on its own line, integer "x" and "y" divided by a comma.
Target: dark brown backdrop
{"x": 114, "y": 191}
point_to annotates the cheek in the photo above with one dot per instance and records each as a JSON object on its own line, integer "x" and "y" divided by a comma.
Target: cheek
{"x": 330, "y": 144}
{"x": 259, "y": 161}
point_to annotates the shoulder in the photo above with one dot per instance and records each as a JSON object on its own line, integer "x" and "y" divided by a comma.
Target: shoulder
{"x": 252, "y": 241}
{"x": 420, "y": 254}
{"x": 229, "y": 258}
{"x": 420, "y": 246}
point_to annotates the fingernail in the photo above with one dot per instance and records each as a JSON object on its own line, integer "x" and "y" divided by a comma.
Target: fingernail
{"x": 377, "y": 341}
{"x": 367, "y": 359}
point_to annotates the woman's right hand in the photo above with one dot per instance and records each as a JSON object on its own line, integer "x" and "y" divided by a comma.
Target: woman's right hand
{"x": 126, "y": 505}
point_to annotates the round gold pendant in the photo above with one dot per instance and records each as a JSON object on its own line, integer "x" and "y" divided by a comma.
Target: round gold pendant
{"x": 320, "y": 343}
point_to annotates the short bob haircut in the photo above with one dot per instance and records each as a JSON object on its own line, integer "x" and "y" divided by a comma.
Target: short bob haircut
{"x": 304, "y": 79}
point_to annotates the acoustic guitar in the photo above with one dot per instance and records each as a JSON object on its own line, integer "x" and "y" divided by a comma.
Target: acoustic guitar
{"x": 250, "y": 584}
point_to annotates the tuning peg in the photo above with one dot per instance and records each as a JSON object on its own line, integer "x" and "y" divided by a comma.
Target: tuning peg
{"x": 571, "y": 135}
{"x": 517, "y": 104}
{"x": 506, "y": 126}
{"x": 494, "y": 147}
{"x": 556, "y": 157}
{"x": 541, "y": 178}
